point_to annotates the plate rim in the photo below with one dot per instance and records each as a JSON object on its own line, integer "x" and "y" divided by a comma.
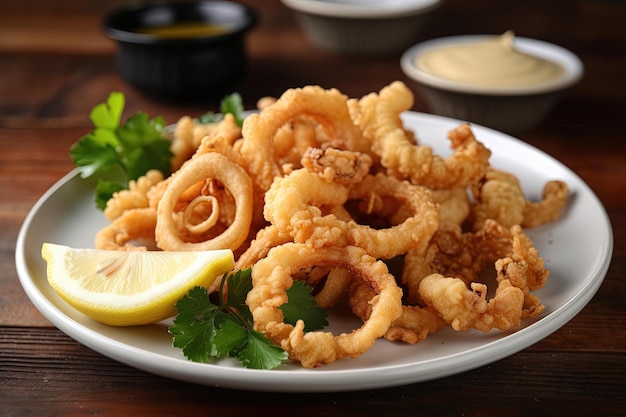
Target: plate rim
{"x": 309, "y": 380}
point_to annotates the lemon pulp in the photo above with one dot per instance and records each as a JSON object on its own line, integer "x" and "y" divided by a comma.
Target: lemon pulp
{"x": 130, "y": 288}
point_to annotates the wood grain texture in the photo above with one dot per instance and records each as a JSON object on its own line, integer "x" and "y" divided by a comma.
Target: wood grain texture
{"x": 56, "y": 64}
{"x": 48, "y": 368}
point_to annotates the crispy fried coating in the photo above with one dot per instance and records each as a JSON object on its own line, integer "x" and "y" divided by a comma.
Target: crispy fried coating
{"x": 466, "y": 308}
{"x": 499, "y": 196}
{"x": 320, "y": 187}
{"x": 335, "y": 287}
{"x": 337, "y": 165}
{"x": 206, "y": 166}
{"x": 295, "y": 209}
{"x": 414, "y": 324}
{"x": 264, "y": 240}
{"x": 466, "y": 255}
{"x": 189, "y": 133}
{"x": 551, "y": 206}
{"x": 456, "y": 293}
{"x": 272, "y": 276}
{"x": 136, "y": 196}
{"x": 404, "y": 158}
{"x": 130, "y": 231}
{"x": 328, "y": 109}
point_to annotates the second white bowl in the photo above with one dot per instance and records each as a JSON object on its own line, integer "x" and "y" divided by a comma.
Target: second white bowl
{"x": 510, "y": 109}
{"x": 362, "y": 27}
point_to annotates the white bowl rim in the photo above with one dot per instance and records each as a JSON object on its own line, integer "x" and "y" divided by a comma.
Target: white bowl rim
{"x": 362, "y": 10}
{"x": 571, "y": 63}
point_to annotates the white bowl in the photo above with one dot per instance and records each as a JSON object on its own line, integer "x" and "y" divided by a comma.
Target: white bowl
{"x": 511, "y": 109}
{"x": 362, "y": 27}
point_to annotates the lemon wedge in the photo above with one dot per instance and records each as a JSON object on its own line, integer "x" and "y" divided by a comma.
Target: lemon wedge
{"x": 130, "y": 288}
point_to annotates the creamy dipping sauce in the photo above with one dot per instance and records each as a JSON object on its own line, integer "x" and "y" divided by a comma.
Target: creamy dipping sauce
{"x": 185, "y": 30}
{"x": 491, "y": 62}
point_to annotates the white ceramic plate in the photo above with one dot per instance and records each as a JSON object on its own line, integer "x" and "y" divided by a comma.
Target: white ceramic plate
{"x": 577, "y": 249}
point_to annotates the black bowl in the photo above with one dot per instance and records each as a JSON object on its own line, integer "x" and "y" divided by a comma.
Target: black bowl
{"x": 175, "y": 67}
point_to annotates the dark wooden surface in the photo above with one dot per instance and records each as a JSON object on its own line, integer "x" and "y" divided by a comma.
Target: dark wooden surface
{"x": 55, "y": 64}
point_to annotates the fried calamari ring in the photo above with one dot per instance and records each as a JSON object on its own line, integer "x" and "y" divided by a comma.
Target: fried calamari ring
{"x": 418, "y": 163}
{"x": 205, "y": 166}
{"x": 417, "y": 228}
{"x": 299, "y": 196}
{"x": 264, "y": 240}
{"x": 272, "y": 276}
{"x": 335, "y": 287}
{"x": 293, "y": 204}
{"x": 328, "y": 108}
{"x": 306, "y": 223}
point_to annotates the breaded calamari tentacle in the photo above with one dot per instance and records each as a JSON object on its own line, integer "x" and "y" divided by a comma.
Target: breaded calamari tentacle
{"x": 130, "y": 231}
{"x": 404, "y": 158}
{"x": 467, "y": 308}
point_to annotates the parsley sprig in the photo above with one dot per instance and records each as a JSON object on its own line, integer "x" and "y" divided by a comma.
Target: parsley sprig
{"x": 117, "y": 152}
{"x": 231, "y": 103}
{"x": 206, "y": 331}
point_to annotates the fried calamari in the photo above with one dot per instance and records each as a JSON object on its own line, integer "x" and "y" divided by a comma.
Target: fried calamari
{"x": 338, "y": 192}
{"x": 272, "y": 276}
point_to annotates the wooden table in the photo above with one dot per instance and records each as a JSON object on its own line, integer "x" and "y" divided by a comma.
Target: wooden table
{"x": 55, "y": 65}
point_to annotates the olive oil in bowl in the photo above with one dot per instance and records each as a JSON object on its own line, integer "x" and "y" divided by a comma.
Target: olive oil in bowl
{"x": 185, "y": 30}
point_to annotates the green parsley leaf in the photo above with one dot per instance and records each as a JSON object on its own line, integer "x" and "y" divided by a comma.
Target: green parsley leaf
{"x": 93, "y": 154}
{"x": 194, "y": 328}
{"x": 230, "y": 104}
{"x": 142, "y": 146}
{"x": 260, "y": 353}
{"x": 116, "y": 152}
{"x": 209, "y": 117}
{"x": 233, "y": 104}
{"x": 230, "y": 337}
{"x": 105, "y": 190}
{"x": 239, "y": 285}
{"x": 206, "y": 331}
{"x": 108, "y": 115}
{"x": 302, "y": 306}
